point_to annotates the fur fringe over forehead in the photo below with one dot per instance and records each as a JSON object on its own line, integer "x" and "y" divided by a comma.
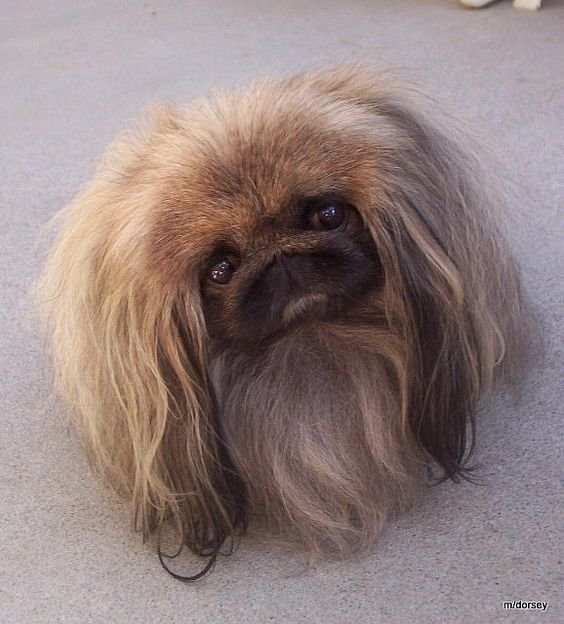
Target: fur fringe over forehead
{"x": 326, "y": 433}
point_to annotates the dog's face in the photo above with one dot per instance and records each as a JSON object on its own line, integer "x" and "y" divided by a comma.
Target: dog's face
{"x": 274, "y": 230}
{"x": 307, "y": 261}
{"x": 274, "y": 304}
{"x": 304, "y": 262}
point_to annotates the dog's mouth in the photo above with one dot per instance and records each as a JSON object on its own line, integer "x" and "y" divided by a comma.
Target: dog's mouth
{"x": 305, "y": 307}
{"x": 297, "y": 312}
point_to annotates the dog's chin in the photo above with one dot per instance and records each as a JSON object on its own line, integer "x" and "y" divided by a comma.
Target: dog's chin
{"x": 313, "y": 426}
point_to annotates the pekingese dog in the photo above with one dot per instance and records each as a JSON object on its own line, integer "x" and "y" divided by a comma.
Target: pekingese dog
{"x": 284, "y": 303}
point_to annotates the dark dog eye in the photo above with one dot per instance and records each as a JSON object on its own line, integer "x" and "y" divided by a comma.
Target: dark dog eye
{"x": 328, "y": 216}
{"x": 221, "y": 272}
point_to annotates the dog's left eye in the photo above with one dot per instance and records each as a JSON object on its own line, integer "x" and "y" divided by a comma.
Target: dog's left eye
{"x": 221, "y": 272}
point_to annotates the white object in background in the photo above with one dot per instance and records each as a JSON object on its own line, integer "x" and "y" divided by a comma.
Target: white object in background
{"x": 531, "y": 5}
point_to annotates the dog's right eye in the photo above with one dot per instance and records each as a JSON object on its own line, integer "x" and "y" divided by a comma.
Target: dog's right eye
{"x": 326, "y": 214}
{"x": 328, "y": 217}
{"x": 221, "y": 272}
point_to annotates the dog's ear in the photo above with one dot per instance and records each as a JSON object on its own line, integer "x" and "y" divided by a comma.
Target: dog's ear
{"x": 129, "y": 353}
{"x": 452, "y": 289}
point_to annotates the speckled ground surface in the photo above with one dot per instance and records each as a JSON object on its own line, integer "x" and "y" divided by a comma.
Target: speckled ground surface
{"x": 71, "y": 76}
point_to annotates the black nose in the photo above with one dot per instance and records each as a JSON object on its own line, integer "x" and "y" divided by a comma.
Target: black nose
{"x": 287, "y": 271}
{"x": 286, "y": 276}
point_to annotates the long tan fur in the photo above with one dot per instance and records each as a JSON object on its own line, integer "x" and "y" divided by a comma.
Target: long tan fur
{"x": 325, "y": 431}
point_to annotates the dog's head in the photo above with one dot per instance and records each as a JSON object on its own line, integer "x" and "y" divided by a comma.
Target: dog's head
{"x": 284, "y": 300}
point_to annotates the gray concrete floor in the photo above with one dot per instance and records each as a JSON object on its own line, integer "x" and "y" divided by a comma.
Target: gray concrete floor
{"x": 72, "y": 74}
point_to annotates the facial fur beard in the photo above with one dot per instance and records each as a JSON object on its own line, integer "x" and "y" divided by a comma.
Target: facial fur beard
{"x": 314, "y": 424}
